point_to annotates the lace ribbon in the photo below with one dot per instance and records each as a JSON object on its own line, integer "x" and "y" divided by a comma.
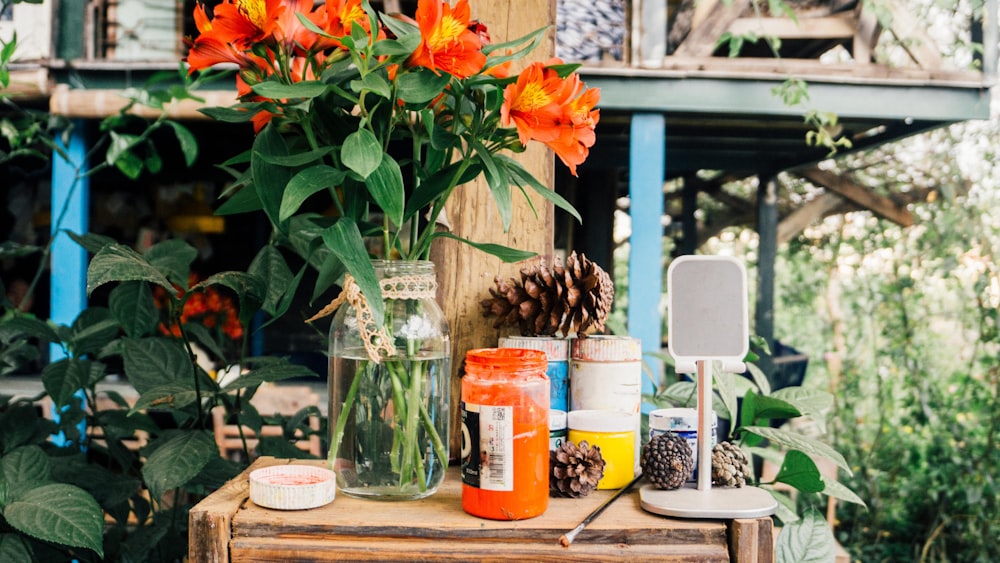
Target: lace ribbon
{"x": 400, "y": 287}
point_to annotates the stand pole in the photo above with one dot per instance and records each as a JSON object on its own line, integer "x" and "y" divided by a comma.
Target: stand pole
{"x": 704, "y": 452}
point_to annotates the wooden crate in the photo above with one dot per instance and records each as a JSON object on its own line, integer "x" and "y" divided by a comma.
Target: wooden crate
{"x": 227, "y": 526}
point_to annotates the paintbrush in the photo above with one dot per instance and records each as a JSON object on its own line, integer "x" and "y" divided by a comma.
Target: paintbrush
{"x": 566, "y": 539}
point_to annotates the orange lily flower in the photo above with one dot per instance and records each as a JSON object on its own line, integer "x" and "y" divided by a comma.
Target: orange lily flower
{"x": 208, "y": 50}
{"x": 558, "y": 112}
{"x": 447, "y": 42}
{"x": 336, "y": 18}
{"x": 246, "y": 22}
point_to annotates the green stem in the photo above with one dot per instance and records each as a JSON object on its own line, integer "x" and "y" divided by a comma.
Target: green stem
{"x": 345, "y": 410}
{"x": 411, "y": 453}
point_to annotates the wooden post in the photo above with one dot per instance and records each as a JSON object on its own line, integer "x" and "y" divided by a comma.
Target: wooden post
{"x": 465, "y": 274}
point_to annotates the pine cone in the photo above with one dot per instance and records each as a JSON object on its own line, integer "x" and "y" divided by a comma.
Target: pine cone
{"x": 730, "y": 466}
{"x": 667, "y": 461}
{"x": 574, "y": 470}
{"x": 546, "y": 301}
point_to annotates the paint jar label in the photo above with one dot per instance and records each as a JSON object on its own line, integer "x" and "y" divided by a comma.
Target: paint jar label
{"x": 488, "y": 447}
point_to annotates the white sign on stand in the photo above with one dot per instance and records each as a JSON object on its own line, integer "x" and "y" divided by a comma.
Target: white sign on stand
{"x": 707, "y": 322}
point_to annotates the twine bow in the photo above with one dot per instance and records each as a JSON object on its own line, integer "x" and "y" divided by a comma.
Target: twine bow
{"x": 376, "y": 339}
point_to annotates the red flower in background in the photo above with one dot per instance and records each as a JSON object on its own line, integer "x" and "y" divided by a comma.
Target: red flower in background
{"x": 211, "y": 308}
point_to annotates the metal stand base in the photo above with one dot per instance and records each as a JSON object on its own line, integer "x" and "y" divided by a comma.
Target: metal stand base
{"x": 689, "y": 502}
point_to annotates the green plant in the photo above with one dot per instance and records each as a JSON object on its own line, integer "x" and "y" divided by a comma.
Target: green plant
{"x": 749, "y": 404}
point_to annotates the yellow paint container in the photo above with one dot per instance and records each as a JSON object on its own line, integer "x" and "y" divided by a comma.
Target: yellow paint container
{"x": 614, "y": 433}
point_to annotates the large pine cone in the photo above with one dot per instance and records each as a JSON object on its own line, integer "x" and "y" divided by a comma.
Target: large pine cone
{"x": 667, "y": 461}
{"x": 574, "y": 470}
{"x": 578, "y": 295}
{"x": 730, "y": 466}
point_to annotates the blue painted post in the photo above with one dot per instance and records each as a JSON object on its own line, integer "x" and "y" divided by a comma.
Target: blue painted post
{"x": 647, "y": 165}
{"x": 68, "y": 261}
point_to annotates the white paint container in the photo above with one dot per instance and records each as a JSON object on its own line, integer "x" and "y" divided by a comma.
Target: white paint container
{"x": 606, "y": 374}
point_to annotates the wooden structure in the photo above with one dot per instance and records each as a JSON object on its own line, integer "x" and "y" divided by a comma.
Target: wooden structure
{"x": 226, "y": 527}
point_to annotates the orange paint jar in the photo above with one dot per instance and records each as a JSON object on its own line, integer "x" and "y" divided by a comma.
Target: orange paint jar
{"x": 505, "y": 433}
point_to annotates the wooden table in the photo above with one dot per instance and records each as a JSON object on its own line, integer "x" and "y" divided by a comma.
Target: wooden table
{"x": 227, "y": 526}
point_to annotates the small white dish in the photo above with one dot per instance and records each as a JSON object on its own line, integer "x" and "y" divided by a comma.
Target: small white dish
{"x": 292, "y": 487}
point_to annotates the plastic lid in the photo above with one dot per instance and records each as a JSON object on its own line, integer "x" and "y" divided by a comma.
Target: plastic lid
{"x": 557, "y": 419}
{"x": 601, "y": 421}
{"x": 506, "y": 359}
{"x": 292, "y": 487}
{"x": 677, "y": 419}
{"x": 557, "y": 349}
{"x": 606, "y": 349}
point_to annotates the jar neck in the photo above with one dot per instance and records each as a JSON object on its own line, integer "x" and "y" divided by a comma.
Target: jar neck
{"x": 406, "y": 279}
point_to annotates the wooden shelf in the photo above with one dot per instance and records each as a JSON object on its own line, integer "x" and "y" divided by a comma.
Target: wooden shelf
{"x": 227, "y": 526}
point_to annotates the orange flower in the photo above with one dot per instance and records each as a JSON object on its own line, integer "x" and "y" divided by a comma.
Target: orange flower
{"x": 207, "y": 51}
{"x": 447, "y": 44}
{"x": 245, "y": 22}
{"x": 558, "y": 112}
{"x": 337, "y": 17}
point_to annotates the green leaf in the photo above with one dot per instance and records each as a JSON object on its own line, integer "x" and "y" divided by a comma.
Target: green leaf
{"x": 795, "y": 441}
{"x": 92, "y": 242}
{"x": 437, "y": 184}
{"x": 420, "y": 85}
{"x": 14, "y": 548}
{"x": 306, "y": 183}
{"x": 810, "y": 402}
{"x": 836, "y": 489}
{"x": 809, "y": 540}
{"x": 276, "y": 90}
{"x": 170, "y": 396}
{"x": 297, "y": 159}
{"x": 25, "y": 464}
{"x": 131, "y": 303}
{"x": 189, "y": 144}
{"x": 504, "y": 253}
{"x": 385, "y": 184}
{"x": 269, "y": 180}
{"x": 250, "y": 291}
{"x": 269, "y": 373}
{"x": 343, "y": 238}
{"x": 361, "y": 152}
{"x": 243, "y": 201}
{"x": 178, "y": 461}
{"x": 375, "y": 83}
{"x": 238, "y": 113}
{"x": 800, "y": 471}
{"x": 118, "y": 262}
{"x": 59, "y": 513}
{"x": 153, "y": 361}
{"x": 498, "y": 181}
{"x": 64, "y": 378}
{"x": 759, "y": 378}
{"x": 173, "y": 258}
{"x": 31, "y": 327}
{"x": 523, "y": 178}
{"x": 725, "y": 384}
{"x": 270, "y": 267}
{"x": 405, "y": 32}
{"x": 758, "y": 408}
{"x": 93, "y": 329}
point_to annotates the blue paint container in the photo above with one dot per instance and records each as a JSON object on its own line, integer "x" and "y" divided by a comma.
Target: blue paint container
{"x": 557, "y": 352}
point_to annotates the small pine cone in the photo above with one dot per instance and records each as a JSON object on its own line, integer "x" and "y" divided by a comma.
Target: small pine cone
{"x": 667, "y": 461}
{"x": 730, "y": 466}
{"x": 589, "y": 294}
{"x": 574, "y": 470}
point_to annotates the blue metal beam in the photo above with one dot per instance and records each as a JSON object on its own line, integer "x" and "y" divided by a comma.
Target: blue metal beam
{"x": 647, "y": 160}
{"x": 68, "y": 261}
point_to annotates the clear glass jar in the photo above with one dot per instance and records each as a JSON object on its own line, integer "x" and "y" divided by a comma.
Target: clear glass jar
{"x": 389, "y": 419}
{"x": 505, "y": 433}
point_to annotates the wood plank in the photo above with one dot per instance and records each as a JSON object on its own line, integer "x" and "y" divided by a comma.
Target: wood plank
{"x": 840, "y": 26}
{"x": 226, "y": 527}
{"x": 210, "y": 521}
{"x": 913, "y": 37}
{"x": 465, "y": 274}
{"x": 881, "y": 206}
{"x": 810, "y": 213}
{"x": 261, "y": 550}
{"x": 867, "y": 34}
{"x": 702, "y": 39}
